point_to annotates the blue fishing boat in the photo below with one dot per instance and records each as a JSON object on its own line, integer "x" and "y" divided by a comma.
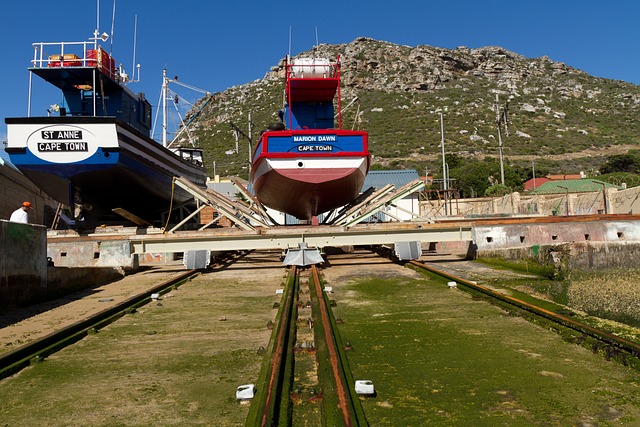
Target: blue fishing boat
{"x": 95, "y": 150}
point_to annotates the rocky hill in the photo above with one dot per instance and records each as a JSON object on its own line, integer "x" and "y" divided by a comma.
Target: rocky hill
{"x": 559, "y": 117}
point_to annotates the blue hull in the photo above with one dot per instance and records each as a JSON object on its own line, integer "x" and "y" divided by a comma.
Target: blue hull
{"x": 132, "y": 172}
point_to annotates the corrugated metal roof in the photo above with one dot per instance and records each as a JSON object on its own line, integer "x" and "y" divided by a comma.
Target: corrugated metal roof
{"x": 227, "y": 189}
{"x": 399, "y": 178}
{"x": 528, "y": 185}
{"x": 573, "y": 186}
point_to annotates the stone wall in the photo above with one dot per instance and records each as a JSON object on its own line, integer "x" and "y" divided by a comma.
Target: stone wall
{"x": 564, "y": 258}
{"x": 15, "y": 189}
{"x": 611, "y": 201}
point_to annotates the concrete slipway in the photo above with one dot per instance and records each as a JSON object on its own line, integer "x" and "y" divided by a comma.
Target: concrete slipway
{"x": 27, "y": 252}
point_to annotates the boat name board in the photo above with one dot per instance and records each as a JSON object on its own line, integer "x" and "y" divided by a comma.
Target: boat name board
{"x": 62, "y": 146}
{"x": 318, "y": 143}
{"x": 68, "y": 142}
{"x": 307, "y": 148}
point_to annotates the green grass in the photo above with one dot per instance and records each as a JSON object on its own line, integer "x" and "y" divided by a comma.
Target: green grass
{"x": 169, "y": 364}
{"x": 439, "y": 357}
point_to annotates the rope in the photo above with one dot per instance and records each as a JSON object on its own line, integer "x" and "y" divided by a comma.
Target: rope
{"x": 173, "y": 187}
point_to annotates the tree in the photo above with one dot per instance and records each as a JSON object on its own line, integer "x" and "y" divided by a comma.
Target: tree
{"x": 473, "y": 177}
{"x": 629, "y": 162}
{"x": 497, "y": 190}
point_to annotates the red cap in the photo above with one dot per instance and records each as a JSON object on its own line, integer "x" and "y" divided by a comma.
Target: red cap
{"x": 27, "y": 205}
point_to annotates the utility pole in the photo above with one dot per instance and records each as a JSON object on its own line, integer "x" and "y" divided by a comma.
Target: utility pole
{"x": 533, "y": 171}
{"x": 501, "y": 118}
{"x": 444, "y": 164}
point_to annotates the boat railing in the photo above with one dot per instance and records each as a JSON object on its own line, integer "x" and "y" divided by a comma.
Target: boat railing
{"x": 75, "y": 54}
{"x": 312, "y": 68}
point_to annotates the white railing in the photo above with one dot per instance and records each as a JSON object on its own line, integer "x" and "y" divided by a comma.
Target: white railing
{"x": 74, "y": 54}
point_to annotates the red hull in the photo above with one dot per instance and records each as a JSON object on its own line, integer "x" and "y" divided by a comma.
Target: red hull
{"x": 309, "y": 192}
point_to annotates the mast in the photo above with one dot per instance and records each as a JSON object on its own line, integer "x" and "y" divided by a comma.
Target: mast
{"x": 165, "y": 84}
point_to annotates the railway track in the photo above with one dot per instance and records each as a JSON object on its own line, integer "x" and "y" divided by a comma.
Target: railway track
{"x": 284, "y": 399}
{"x": 38, "y": 349}
{"x": 613, "y": 346}
{"x": 306, "y": 340}
{"x": 305, "y": 377}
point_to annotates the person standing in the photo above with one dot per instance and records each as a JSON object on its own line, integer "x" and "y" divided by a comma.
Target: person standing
{"x": 22, "y": 213}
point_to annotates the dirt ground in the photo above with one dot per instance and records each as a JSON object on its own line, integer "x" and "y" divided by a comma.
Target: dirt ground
{"x": 21, "y": 326}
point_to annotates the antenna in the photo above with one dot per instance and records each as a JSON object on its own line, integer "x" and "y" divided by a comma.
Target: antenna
{"x": 135, "y": 36}
{"x": 316, "y": 37}
{"x": 113, "y": 21}
{"x": 289, "y": 41}
{"x": 97, "y": 16}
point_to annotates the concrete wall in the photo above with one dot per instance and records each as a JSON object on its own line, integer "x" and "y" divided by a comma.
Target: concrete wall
{"x": 501, "y": 236}
{"x": 25, "y": 277}
{"x": 23, "y": 261}
{"x": 564, "y": 258}
{"x": 610, "y": 201}
{"x": 15, "y": 188}
{"x": 64, "y": 280}
{"x": 98, "y": 253}
{"x": 624, "y": 201}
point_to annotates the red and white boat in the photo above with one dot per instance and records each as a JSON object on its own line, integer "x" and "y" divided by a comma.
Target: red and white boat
{"x": 306, "y": 166}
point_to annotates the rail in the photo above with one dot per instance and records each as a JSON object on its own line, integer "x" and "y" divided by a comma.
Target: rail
{"x": 630, "y": 349}
{"x": 273, "y": 404}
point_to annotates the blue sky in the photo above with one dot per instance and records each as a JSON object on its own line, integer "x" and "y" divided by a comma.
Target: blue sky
{"x": 214, "y": 45}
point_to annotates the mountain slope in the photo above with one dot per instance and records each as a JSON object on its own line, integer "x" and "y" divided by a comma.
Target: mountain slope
{"x": 559, "y": 117}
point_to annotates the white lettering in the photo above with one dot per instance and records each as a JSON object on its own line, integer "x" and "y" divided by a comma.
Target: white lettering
{"x": 62, "y": 146}
{"x": 327, "y": 138}
{"x": 61, "y": 134}
{"x": 315, "y": 148}
{"x": 304, "y": 138}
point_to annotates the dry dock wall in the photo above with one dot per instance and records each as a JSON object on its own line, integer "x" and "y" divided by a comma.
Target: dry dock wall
{"x": 609, "y": 201}
{"x": 23, "y": 261}
{"x": 565, "y": 246}
{"x": 500, "y": 236}
{"x": 25, "y": 277}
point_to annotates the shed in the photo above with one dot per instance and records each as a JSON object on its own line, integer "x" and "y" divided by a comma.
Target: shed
{"x": 397, "y": 178}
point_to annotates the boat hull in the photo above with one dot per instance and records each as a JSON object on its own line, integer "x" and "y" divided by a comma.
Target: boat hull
{"x": 99, "y": 162}
{"x": 309, "y": 172}
{"x": 309, "y": 191}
